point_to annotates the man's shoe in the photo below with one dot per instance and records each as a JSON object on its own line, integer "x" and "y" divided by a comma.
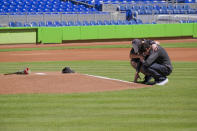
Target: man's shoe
{"x": 147, "y": 79}
{"x": 161, "y": 83}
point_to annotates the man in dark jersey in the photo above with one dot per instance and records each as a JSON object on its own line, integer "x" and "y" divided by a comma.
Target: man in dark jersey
{"x": 157, "y": 63}
{"x": 134, "y": 57}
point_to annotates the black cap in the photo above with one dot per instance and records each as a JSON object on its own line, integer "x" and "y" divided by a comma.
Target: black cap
{"x": 136, "y": 43}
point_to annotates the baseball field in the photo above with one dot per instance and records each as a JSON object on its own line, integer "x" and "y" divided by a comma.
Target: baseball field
{"x": 100, "y": 96}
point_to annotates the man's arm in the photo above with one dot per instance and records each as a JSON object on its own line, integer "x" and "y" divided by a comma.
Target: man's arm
{"x": 151, "y": 58}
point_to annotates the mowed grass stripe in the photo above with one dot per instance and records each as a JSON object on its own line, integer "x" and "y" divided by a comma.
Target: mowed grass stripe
{"x": 169, "y": 45}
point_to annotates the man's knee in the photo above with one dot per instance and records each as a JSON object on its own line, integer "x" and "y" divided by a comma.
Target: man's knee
{"x": 145, "y": 70}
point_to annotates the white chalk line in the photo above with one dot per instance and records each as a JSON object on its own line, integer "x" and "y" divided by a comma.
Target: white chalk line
{"x": 102, "y": 77}
{"x": 40, "y": 73}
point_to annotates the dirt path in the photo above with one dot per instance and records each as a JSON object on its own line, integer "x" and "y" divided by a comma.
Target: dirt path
{"x": 176, "y": 54}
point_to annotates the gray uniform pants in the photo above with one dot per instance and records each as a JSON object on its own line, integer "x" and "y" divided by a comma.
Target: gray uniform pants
{"x": 157, "y": 71}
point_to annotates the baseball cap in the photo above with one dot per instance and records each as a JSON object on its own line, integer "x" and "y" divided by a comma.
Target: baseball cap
{"x": 136, "y": 43}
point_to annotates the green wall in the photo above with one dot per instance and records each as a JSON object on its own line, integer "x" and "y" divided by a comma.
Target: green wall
{"x": 17, "y": 35}
{"x": 59, "y": 34}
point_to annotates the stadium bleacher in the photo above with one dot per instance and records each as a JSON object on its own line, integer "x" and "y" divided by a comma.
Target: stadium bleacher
{"x": 53, "y": 13}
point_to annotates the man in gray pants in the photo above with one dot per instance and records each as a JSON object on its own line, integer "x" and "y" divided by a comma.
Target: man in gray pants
{"x": 157, "y": 63}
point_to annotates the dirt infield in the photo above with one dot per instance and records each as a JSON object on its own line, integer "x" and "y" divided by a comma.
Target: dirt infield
{"x": 66, "y": 83}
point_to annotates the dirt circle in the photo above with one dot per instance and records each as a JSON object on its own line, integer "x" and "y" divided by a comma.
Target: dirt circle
{"x": 54, "y": 82}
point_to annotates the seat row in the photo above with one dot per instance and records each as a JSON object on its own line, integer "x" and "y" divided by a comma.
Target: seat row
{"x": 188, "y": 21}
{"x": 154, "y": 6}
{"x": 159, "y": 9}
{"x": 42, "y": 6}
{"x": 74, "y": 23}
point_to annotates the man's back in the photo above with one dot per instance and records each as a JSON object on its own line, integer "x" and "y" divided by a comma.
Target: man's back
{"x": 160, "y": 56}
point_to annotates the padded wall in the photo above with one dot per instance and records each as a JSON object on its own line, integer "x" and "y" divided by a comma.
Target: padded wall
{"x": 59, "y": 34}
{"x": 16, "y": 36}
{"x": 49, "y": 35}
{"x": 195, "y": 30}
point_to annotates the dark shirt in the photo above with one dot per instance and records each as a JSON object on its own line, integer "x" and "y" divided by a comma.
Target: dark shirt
{"x": 160, "y": 56}
{"x": 150, "y": 42}
{"x": 132, "y": 52}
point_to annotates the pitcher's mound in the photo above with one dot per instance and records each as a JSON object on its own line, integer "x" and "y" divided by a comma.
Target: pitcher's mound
{"x": 53, "y": 82}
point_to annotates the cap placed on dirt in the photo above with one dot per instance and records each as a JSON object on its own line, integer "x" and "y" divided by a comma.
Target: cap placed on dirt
{"x": 67, "y": 70}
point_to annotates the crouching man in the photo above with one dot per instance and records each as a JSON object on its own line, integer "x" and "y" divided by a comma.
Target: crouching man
{"x": 157, "y": 63}
{"x": 135, "y": 60}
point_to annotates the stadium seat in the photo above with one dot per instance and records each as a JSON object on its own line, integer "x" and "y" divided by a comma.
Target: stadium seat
{"x": 138, "y": 21}
{"x": 41, "y": 24}
{"x": 57, "y": 23}
{"x": 132, "y": 21}
{"x": 71, "y": 23}
{"x": 64, "y": 23}
{"x": 93, "y": 23}
{"x": 78, "y": 23}
{"x": 27, "y": 25}
{"x": 18, "y": 24}
{"x": 106, "y": 22}
{"x": 34, "y": 24}
{"x": 86, "y": 23}
{"x": 50, "y": 24}
{"x": 12, "y": 24}
{"x": 99, "y": 22}
{"x": 113, "y": 22}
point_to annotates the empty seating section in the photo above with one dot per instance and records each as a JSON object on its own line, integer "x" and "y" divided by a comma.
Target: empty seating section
{"x": 149, "y": 9}
{"x": 38, "y": 13}
{"x": 8, "y": 6}
{"x": 74, "y": 23}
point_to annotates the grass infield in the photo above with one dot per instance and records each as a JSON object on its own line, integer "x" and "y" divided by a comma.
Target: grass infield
{"x": 169, "y": 45}
{"x": 165, "y": 108}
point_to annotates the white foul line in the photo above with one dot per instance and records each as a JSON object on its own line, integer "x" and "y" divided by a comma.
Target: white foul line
{"x": 102, "y": 77}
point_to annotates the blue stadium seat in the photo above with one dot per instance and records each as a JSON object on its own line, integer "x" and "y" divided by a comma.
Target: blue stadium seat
{"x": 12, "y": 24}
{"x": 93, "y": 23}
{"x": 27, "y": 25}
{"x": 57, "y": 23}
{"x": 41, "y": 24}
{"x": 71, "y": 23}
{"x": 50, "y": 24}
{"x": 64, "y": 23}
{"x": 113, "y": 22}
{"x": 99, "y": 22}
{"x": 182, "y": 21}
{"x": 34, "y": 24}
{"x": 132, "y": 21}
{"x": 120, "y": 22}
{"x": 138, "y": 21}
{"x": 86, "y": 23}
{"x": 190, "y": 21}
{"x": 78, "y": 23}
{"x": 148, "y": 12}
{"x": 19, "y": 24}
{"x": 106, "y": 22}
{"x": 141, "y": 12}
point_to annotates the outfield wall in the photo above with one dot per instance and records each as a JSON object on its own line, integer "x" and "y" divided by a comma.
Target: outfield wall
{"x": 18, "y": 35}
{"x": 58, "y": 34}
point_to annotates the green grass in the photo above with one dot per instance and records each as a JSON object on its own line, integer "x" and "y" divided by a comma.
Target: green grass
{"x": 168, "y": 108}
{"x": 171, "y": 45}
